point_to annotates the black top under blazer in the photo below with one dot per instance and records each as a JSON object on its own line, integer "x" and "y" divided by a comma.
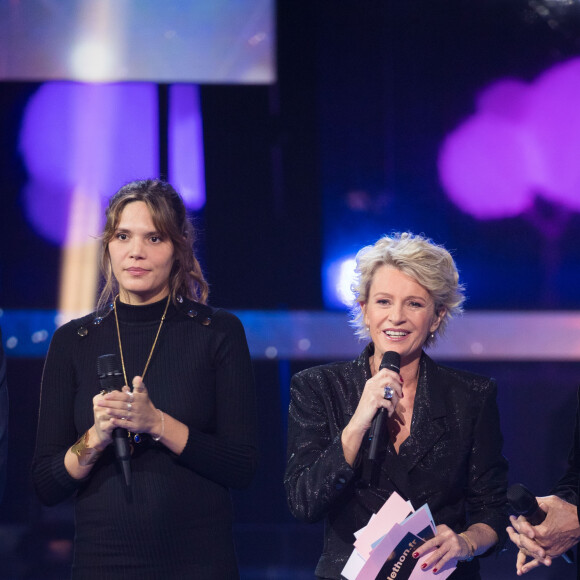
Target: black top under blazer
{"x": 452, "y": 459}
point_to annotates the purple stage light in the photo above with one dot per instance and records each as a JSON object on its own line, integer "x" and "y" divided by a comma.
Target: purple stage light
{"x": 555, "y": 117}
{"x": 186, "y": 160}
{"x": 483, "y": 167}
{"x": 85, "y": 140}
{"x": 522, "y": 142}
{"x": 89, "y": 139}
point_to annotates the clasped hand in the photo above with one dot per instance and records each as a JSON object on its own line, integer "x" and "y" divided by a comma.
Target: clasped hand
{"x": 129, "y": 409}
{"x": 554, "y": 536}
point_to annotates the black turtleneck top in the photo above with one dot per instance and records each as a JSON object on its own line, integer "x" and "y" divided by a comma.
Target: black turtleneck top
{"x": 175, "y": 520}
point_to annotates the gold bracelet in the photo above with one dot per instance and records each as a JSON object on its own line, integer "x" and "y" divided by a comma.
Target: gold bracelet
{"x": 470, "y": 548}
{"x": 86, "y": 455}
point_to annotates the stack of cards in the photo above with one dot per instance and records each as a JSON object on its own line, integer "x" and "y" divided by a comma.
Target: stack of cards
{"x": 383, "y": 549}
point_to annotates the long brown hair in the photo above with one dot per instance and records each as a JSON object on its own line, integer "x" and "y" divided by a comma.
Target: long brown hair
{"x": 170, "y": 219}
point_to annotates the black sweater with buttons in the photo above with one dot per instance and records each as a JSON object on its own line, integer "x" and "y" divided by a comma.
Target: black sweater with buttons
{"x": 175, "y": 520}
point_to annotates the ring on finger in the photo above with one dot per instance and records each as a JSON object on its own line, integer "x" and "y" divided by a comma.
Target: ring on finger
{"x": 388, "y": 394}
{"x": 129, "y": 405}
{"x": 131, "y": 397}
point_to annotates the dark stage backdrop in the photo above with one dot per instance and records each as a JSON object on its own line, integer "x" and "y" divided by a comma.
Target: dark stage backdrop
{"x": 347, "y": 146}
{"x": 342, "y": 148}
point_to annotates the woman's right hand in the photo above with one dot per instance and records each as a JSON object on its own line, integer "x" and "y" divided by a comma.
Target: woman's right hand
{"x": 81, "y": 457}
{"x": 372, "y": 399}
{"x": 103, "y": 425}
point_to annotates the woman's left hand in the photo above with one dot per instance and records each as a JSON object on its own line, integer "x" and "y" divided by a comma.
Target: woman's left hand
{"x": 446, "y": 549}
{"x": 132, "y": 409}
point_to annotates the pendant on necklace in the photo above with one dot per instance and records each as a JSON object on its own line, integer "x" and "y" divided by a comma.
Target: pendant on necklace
{"x": 135, "y": 437}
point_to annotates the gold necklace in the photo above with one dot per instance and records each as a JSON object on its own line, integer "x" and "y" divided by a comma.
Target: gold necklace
{"x": 136, "y": 437}
{"x": 154, "y": 342}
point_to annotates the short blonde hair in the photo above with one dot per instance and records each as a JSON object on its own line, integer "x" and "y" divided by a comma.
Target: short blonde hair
{"x": 420, "y": 258}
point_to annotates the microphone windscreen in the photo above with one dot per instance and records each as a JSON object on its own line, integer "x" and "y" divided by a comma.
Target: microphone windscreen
{"x": 107, "y": 364}
{"x": 521, "y": 499}
{"x": 391, "y": 360}
{"x": 109, "y": 372}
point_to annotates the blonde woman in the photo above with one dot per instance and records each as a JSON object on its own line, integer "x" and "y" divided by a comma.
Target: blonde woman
{"x": 442, "y": 441}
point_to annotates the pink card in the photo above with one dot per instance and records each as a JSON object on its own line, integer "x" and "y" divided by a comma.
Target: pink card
{"x": 394, "y": 510}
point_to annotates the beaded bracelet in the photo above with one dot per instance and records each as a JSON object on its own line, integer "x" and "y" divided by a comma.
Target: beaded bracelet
{"x": 162, "y": 426}
{"x": 470, "y": 547}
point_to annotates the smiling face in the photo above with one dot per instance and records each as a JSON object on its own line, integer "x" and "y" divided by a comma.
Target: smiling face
{"x": 400, "y": 314}
{"x": 141, "y": 258}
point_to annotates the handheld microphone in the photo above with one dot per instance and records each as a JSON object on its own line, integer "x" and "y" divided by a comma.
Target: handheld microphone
{"x": 110, "y": 379}
{"x": 524, "y": 503}
{"x": 391, "y": 360}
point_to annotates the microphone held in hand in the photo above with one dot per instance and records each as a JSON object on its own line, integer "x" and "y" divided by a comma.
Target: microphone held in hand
{"x": 391, "y": 360}
{"x": 111, "y": 379}
{"x": 524, "y": 503}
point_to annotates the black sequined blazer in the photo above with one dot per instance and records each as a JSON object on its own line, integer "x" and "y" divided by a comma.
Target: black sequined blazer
{"x": 452, "y": 459}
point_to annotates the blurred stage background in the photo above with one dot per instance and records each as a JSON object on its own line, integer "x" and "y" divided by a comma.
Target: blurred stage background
{"x": 318, "y": 127}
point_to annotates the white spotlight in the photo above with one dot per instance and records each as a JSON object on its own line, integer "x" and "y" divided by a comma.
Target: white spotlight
{"x": 91, "y": 61}
{"x": 345, "y": 279}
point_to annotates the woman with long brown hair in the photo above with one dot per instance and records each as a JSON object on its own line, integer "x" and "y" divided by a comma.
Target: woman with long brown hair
{"x": 187, "y": 405}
